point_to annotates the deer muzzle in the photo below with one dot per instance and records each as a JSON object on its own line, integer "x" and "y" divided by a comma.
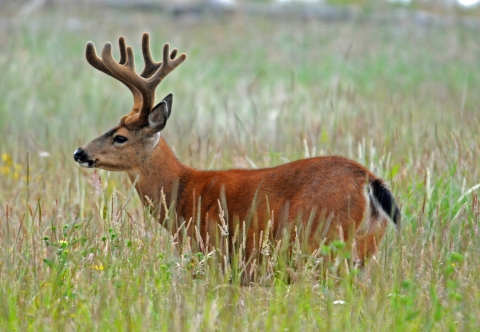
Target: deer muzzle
{"x": 81, "y": 157}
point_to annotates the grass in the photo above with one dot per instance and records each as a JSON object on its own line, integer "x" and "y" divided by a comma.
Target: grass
{"x": 77, "y": 254}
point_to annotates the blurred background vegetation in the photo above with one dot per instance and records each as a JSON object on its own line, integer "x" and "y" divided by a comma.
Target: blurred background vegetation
{"x": 391, "y": 84}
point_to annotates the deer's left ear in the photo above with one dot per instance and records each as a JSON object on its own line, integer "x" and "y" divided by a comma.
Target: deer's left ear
{"x": 157, "y": 119}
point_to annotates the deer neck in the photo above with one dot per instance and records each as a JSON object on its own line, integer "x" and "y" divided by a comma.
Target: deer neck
{"x": 160, "y": 171}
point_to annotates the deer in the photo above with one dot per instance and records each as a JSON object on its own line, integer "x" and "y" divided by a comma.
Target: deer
{"x": 331, "y": 196}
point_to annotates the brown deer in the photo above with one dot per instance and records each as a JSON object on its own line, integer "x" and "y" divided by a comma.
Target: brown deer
{"x": 331, "y": 196}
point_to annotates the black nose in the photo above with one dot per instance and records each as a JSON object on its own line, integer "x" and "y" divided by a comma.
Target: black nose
{"x": 79, "y": 155}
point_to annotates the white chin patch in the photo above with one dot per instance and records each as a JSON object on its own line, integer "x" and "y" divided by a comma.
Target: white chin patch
{"x": 84, "y": 164}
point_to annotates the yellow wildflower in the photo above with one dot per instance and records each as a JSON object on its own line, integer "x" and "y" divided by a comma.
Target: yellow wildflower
{"x": 7, "y": 167}
{"x": 5, "y": 170}
{"x": 7, "y": 159}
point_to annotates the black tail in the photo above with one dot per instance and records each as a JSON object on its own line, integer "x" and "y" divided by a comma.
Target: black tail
{"x": 384, "y": 199}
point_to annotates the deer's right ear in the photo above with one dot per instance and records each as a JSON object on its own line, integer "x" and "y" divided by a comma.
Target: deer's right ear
{"x": 159, "y": 114}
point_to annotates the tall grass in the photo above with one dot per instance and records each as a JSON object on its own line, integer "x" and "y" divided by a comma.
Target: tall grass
{"x": 78, "y": 252}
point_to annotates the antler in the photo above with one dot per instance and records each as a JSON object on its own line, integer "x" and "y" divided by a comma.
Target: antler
{"x": 150, "y": 65}
{"x": 96, "y": 62}
{"x": 142, "y": 86}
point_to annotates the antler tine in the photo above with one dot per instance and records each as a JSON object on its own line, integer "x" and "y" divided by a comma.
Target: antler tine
{"x": 97, "y": 63}
{"x": 94, "y": 60}
{"x": 126, "y": 73}
{"x": 169, "y": 63}
{"x": 123, "y": 54}
{"x": 130, "y": 62}
{"x": 173, "y": 54}
{"x": 151, "y": 66}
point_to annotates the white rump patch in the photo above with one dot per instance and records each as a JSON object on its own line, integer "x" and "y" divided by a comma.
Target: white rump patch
{"x": 368, "y": 224}
{"x": 367, "y": 215}
{"x": 379, "y": 207}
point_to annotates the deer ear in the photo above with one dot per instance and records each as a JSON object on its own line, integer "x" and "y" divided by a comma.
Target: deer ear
{"x": 159, "y": 115}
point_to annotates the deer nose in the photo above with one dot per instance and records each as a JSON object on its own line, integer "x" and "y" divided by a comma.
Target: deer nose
{"x": 79, "y": 155}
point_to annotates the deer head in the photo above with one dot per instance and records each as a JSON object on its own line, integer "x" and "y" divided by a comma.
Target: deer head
{"x": 138, "y": 133}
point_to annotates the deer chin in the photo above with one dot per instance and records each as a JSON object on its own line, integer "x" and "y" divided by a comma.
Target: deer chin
{"x": 97, "y": 163}
{"x": 87, "y": 164}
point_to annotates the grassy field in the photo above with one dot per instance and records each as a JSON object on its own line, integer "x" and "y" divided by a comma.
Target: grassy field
{"x": 401, "y": 99}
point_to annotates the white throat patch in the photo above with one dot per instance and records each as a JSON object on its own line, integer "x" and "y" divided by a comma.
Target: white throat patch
{"x": 153, "y": 141}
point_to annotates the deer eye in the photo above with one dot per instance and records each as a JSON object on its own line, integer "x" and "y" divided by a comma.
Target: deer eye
{"x": 120, "y": 139}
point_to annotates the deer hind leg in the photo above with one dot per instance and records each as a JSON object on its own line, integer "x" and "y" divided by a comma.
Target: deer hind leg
{"x": 366, "y": 245}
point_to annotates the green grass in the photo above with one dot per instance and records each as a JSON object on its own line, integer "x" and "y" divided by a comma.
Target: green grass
{"x": 401, "y": 99}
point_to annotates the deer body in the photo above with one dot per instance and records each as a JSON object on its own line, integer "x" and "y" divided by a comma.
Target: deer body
{"x": 304, "y": 189}
{"x": 331, "y": 196}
